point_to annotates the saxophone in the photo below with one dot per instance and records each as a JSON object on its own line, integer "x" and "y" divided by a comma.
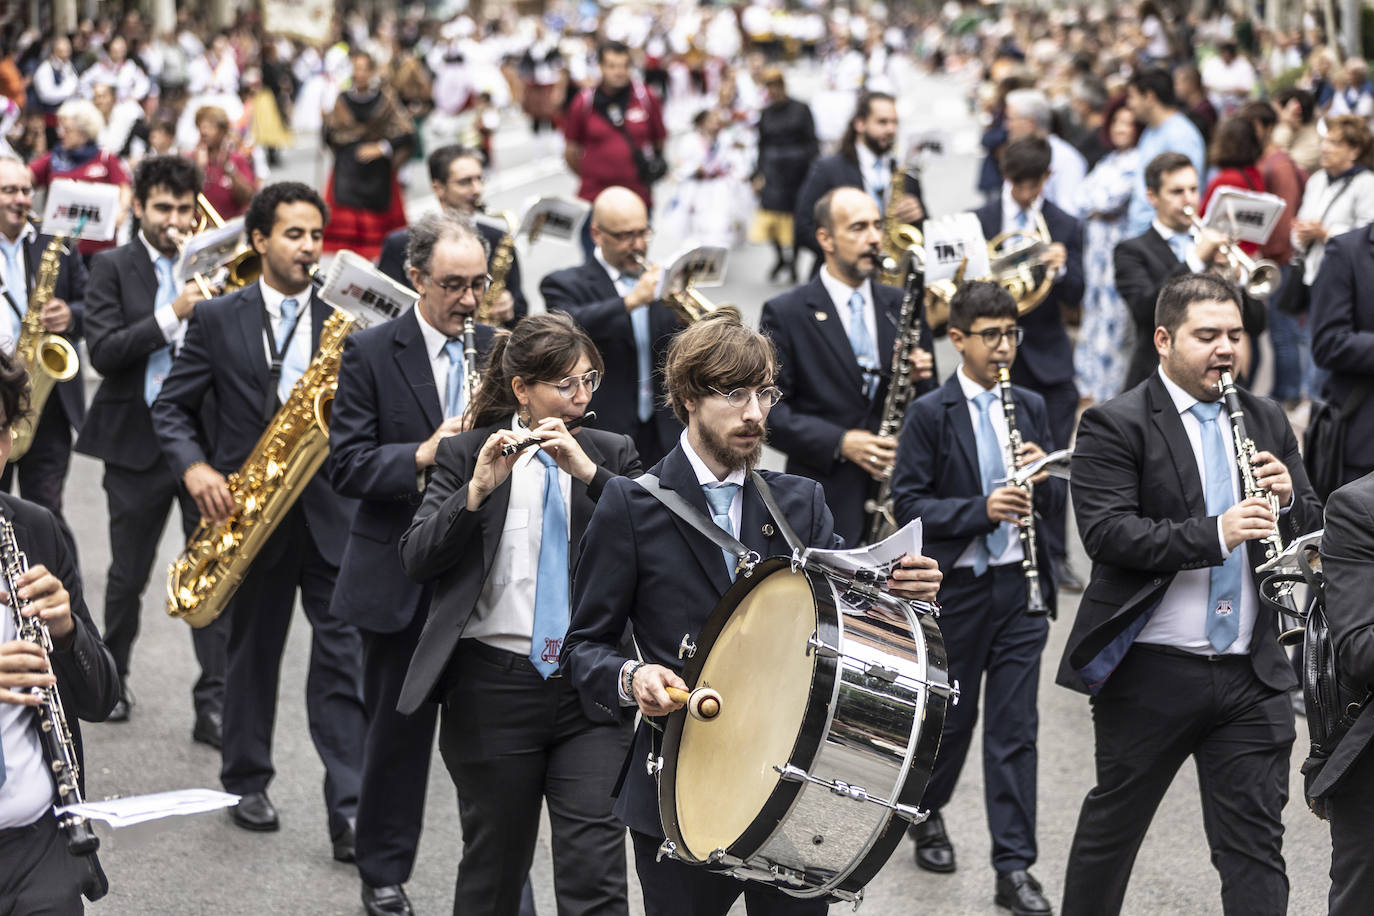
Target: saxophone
{"x": 898, "y": 238}
{"x": 900, "y": 391}
{"x": 48, "y": 358}
{"x": 1030, "y": 564}
{"x": 501, "y": 260}
{"x": 205, "y": 576}
{"x": 59, "y": 750}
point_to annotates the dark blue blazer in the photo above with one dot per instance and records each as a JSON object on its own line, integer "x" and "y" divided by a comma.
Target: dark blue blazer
{"x": 644, "y": 566}
{"x": 1342, "y": 342}
{"x": 386, "y": 406}
{"x": 455, "y": 549}
{"x": 71, "y": 288}
{"x": 937, "y": 478}
{"x": 1045, "y": 357}
{"x": 826, "y": 174}
{"x": 823, "y": 394}
{"x": 224, "y": 355}
{"x": 392, "y": 262}
{"x": 588, "y": 295}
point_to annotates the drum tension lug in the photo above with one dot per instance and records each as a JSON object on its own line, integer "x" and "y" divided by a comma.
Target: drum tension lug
{"x": 653, "y": 764}
{"x": 667, "y": 848}
{"x": 853, "y": 898}
{"x": 882, "y": 673}
{"x": 822, "y": 649}
{"x": 746, "y": 564}
{"x": 911, "y": 814}
{"x": 686, "y": 648}
{"x": 790, "y": 773}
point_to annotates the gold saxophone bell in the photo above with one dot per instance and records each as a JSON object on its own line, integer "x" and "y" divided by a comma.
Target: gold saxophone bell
{"x": 1259, "y": 278}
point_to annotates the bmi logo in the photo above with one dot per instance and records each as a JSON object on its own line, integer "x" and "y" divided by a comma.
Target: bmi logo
{"x": 551, "y": 649}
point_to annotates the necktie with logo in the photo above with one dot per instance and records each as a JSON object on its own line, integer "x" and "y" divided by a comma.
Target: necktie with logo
{"x": 1223, "y": 598}
{"x": 15, "y": 286}
{"x": 454, "y": 402}
{"x": 720, "y": 499}
{"x": 551, "y": 589}
{"x": 1179, "y": 242}
{"x": 644, "y": 357}
{"x": 862, "y": 342}
{"x": 160, "y": 360}
{"x": 991, "y": 468}
{"x": 291, "y": 368}
{"x": 881, "y": 179}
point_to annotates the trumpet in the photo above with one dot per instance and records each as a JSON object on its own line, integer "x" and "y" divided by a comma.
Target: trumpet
{"x": 1259, "y": 278}
{"x": 688, "y": 303}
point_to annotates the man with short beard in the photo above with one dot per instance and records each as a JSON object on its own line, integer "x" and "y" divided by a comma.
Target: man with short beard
{"x": 644, "y": 566}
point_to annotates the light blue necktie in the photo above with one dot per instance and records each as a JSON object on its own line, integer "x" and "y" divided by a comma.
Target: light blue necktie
{"x": 639, "y": 323}
{"x": 720, "y": 499}
{"x": 454, "y": 402}
{"x": 991, "y": 468}
{"x": 881, "y": 179}
{"x": 1022, "y": 220}
{"x": 291, "y": 368}
{"x": 1223, "y": 598}
{"x": 1179, "y": 242}
{"x": 551, "y": 589}
{"x": 160, "y": 360}
{"x": 865, "y": 353}
{"x": 14, "y": 283}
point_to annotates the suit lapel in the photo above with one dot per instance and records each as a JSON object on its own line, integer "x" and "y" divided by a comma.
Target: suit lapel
{"x": 493, "y": 511}
{"x": 885, "y": 315}
{"x": 145, "y": 274}
{"x": 678, "y": 476}
{"x": 1163, "y": 251}
{"x": 1170, "y": 426}
{"x": 956, "y": 407}
{"x": 414, "y": 364}
{"x": 250, "y": 311}
{"x": 826, "y": 322}
{"x": 319, "y": 311}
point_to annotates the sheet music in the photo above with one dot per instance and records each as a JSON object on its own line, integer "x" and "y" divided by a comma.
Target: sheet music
{"x": 136, "y": 809}
{"x": 881, "y": 557}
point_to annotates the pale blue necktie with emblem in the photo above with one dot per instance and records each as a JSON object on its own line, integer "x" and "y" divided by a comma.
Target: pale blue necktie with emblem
{"x": 160, "y": 360}
{"x": 1179, "y": 242}
{"x": 720, "y": 498}
{"x": 991, "y": 468}
{"x": 291, "y": 367}
{"x": 454, "y": 402}
{"x": 14, "y": 283}
{"x": 1223, "y": 597}
{"x": 865, "y": 352}
{"x": 644, "y": 357}
{"x": 551, "y": 589}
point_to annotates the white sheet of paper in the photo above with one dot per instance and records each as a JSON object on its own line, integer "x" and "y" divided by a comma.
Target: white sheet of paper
{"x": 555, "y": 218}
{"x": 952, "y": 241}
{"x": 880, "y": 557}
{"x": 135, "y": 809}
{"x": 705, "y": 263}
{"x": 1249, "y": 216}
{"x": 68, "y": 201}
{"x": 353, "y": 285}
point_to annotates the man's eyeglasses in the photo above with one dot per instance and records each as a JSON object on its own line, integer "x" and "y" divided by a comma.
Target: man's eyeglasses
{"x": 456, "y": 286}
{"x": 740, "y": 397}
{"x": 567, "y": 388}
{"x": 628, "y": 235}
{"x": 992, "y": 337}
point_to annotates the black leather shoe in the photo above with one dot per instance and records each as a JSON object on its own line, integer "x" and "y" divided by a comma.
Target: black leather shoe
{"x": 933, "y": 850}
{"x": 343, "y": 846}
{"x": 386, "y": 901}
{"x": 122, "y": 706}
{"x": 207, "y": 729}
{"x": 255, "y": 812}
{"x": 1020, "y": 893}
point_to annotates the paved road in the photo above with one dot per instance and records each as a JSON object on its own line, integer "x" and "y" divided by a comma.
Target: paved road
{"x": 203, "y": 864}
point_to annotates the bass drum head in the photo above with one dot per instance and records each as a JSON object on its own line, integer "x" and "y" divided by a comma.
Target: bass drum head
{"x": 723, "y": 773}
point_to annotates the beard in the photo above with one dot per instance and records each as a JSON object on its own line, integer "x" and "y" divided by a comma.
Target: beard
{"x": 718, "y": 446}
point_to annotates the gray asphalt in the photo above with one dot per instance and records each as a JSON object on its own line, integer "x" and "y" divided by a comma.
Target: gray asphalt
{"x": 203, "y": 864}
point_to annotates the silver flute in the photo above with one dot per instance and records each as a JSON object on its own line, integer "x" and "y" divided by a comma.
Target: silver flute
{"x": 1030, "y": 564}
{"x": 59, "y": 750}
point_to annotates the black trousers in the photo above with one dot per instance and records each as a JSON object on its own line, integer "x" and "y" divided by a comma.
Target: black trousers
{"x": 1155, "y": 712}
{"x": 1351, "y": 806}
{"x": 43, "y": 469}
{"x": 513, "y": 740}
{"x": 391, "y": 807}
{"x": 1061, "y": 408}
{"x": 139, "y": 502}
{"x": 673, "y": 888}
{"x": 989, "y": 635}
{"x": 38, "y": 877}
{"x": 259, "y": 616}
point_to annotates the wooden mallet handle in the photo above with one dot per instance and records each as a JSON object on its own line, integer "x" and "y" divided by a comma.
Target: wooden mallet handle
{"x": 702, "y": 703}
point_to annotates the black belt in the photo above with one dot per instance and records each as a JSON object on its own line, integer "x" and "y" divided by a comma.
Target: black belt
{"x": 508, "y": 661}
{"x": 1157, "y": 649}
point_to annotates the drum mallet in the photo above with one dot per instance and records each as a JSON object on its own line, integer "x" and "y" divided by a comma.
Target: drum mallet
{"x": 702, "y": 703}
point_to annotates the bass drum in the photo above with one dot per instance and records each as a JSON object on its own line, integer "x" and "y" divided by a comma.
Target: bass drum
{"x": 832, "y": 702}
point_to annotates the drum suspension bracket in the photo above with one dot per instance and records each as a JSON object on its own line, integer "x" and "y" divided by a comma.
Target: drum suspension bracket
{"x": 686, "y": 648}
{"x": 822, "y": 648}
{"x": 909, "y": 813}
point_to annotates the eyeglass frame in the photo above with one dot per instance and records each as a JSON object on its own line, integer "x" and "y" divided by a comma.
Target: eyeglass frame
{"x": 467, "y": 285}
{"x": 579, "y": 381}
{"x": 627, "y": 235}
{"x": 1016, "y": 335}
{"x": 752, "y": 393}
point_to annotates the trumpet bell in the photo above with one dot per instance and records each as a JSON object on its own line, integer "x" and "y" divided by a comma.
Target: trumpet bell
{"x": 1261, "y": 279}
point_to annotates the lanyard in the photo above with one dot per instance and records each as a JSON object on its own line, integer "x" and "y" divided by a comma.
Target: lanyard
{"x": 269, "y": 406}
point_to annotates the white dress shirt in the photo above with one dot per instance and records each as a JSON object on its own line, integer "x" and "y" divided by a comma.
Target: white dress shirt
{"x": 1011, "y": 210}
{"x": 1181, "y": 618}
{"x": 300, "y": 348}
{"x": 840, "y": 292}
{"x": 435, "y": 341}
{"x": 173, "y": 328}
{"x": 27, "y": 793}
{"x": 971, "y": 389}
{"x": 504, "y": 616}
{"x": 16, "y": 288}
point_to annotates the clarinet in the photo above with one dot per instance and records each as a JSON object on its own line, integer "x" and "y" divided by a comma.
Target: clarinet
{"x": 1030, "y": 565}
{"x": 1245, "y": 452}
{"x": 59, "y": 751}
{"x": 474, "y": 375}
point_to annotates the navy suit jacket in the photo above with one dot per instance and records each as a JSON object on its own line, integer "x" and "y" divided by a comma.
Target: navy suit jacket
{"x": 938, "y": 481}
{"x": 823, "y": 394}
{"x": 71, "y": 289}
{"x": 644, "y": 566}
{"x": 121, "y": 332}
{"x": 392, "y": 262}
{"x": 588, "y": 295}
{"x": 1141, "y": 509}
{"x": 224, "y": 355}
{"x": 455, "y": 549}
{"x": 386, "y": 406}
{"x": 1045, "y": 357}
{"x": 1343, "y": 333}
{"x": 826, "y": 174}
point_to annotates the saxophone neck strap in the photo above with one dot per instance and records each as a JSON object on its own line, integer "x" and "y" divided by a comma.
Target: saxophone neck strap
{"x": 269, "y": 408}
